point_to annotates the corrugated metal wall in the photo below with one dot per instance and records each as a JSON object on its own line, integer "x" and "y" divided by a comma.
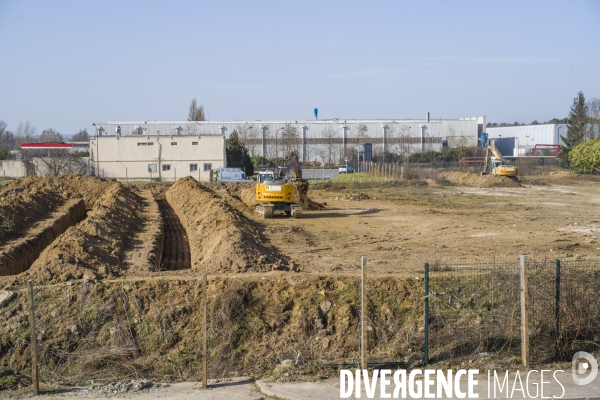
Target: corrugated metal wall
{"x": 530, "y": 135}
{"x": 317, "y": 140}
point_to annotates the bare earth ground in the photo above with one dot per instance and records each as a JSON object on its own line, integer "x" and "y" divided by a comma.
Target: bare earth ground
{"x": 286, "y": 269}
{"x": 400, "y": 229}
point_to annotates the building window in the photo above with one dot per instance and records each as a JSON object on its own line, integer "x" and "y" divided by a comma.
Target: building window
{"x": 193, "y": 167}
{"x": 207, "y": 167}
{"x": 173, "y": 143}
{"x": 151, "y": 167}
{"x": 166, "y": 167}
{"x": 150, "y": 143}
{"x": 194, "y": 143}
{"x": 142, "y": 143}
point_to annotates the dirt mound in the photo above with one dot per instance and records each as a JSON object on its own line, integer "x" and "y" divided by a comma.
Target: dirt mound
{"x": 221, "y": 238}
{"x": 357, "y": 197}
{"x": 90, "y": 188}
{"x": 95, "y": 247}
{"x": 150, "y": 328}
{"x": 18, "y": 255}
{"x": 484, "y": 181}
{"x": 305, "y": 201}
{"x": 20, "y": 208}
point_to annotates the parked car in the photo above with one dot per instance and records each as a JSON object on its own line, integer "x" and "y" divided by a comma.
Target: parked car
{"x": 346, "y": 169}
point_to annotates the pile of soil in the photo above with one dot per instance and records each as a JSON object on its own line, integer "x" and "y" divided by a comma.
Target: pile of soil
{"x": 305, "y": 201}
{"x": 483, "y": 181}
{"x": 21, "y": 207}
{"x": 149, "y": 329}
{"x": 357, "y": 197}
{"x": 90, "y": 188}
{"x": 95, "y": 247}
{"x": 222, "y": 239}
{"x": 18, "y": 254}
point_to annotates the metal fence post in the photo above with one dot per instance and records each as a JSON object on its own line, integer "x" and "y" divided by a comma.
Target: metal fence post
{"x": 426, "y": 361}
{"x": 524, "y": 308}
{"x": 204, "y": 334}
{"x": 33, "y": 340}
{"x": 557, "y": 310}
{"x": 363, "y": 314}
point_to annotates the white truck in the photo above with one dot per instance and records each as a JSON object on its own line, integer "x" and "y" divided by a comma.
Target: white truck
{"x": 230, "y": 175}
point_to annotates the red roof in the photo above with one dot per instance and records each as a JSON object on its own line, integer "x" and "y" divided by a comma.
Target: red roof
{"x": 41, "y": 146}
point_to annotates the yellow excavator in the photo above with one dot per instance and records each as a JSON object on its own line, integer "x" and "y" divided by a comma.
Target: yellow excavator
{"x": 495, "y": 164}
{"x": 277, "y": 189}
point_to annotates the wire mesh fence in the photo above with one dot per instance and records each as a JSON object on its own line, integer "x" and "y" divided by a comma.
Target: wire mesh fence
{"x": 118, "y": 328}
{"x": 475, "y": 310}
{"x": 579, "y": 317}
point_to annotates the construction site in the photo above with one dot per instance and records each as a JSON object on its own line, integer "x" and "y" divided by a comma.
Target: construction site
{"x": 117, "y": 272}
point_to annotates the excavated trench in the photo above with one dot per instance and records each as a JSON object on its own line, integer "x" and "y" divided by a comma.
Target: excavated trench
{"x": 176, "y": 250}
{"x": 18, "y": 255}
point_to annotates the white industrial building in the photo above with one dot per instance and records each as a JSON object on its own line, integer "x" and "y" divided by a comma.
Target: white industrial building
{"x": 156, "y": 157}
{"x": 326, "y": 140}
{"x": 526, "y": 137}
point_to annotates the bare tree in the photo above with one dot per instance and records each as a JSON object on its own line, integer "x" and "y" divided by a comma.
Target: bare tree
{"x": 322, "y": 152}
{"x": 253, "y": 136}
{"x": 196, "y": 112}
{"x": 25, "y": 133}
{"x": 269, "y": 138}
{"x": 59, "y": 162}
{"x": 330, "y": 136}
{"x": 290, "y": 139}
{"x": 6, "y": 141}
{"x": 81, "y": 136}
{"x": 51, "y": 136}
{"x": 593, "y": 112}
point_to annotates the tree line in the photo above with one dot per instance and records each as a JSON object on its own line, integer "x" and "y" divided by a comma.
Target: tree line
{"x": 47, "y": 162}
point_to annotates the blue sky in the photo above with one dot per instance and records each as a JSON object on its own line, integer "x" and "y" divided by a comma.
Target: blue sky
{"x": 67, "y": 64}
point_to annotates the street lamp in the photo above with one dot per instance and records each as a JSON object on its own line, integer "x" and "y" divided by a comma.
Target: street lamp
{"x": 276, "y": 148}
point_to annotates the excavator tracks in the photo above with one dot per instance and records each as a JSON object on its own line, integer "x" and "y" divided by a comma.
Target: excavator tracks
{"x": 265, "y": 210}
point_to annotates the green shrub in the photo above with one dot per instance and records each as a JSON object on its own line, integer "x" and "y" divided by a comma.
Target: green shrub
{"x": 585, "y": 158}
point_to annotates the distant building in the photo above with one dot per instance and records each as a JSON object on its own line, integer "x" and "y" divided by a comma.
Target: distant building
{"x": 158, "y": 157}
{"x": 526, "y": 137}
{"x": 325, "y": 140}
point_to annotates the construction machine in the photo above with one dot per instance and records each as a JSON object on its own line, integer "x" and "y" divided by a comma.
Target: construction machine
{"x": 495, "y": 164}
{"x": 277, "y": 189}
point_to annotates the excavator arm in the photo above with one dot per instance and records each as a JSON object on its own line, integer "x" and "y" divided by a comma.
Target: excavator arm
{"x": 490, "y": 150}
{"x": 503, "y": 169}
{"x": 290, "y": 167}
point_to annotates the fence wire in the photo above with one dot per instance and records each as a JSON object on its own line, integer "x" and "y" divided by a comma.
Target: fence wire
{"x": 475, "y": 310}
